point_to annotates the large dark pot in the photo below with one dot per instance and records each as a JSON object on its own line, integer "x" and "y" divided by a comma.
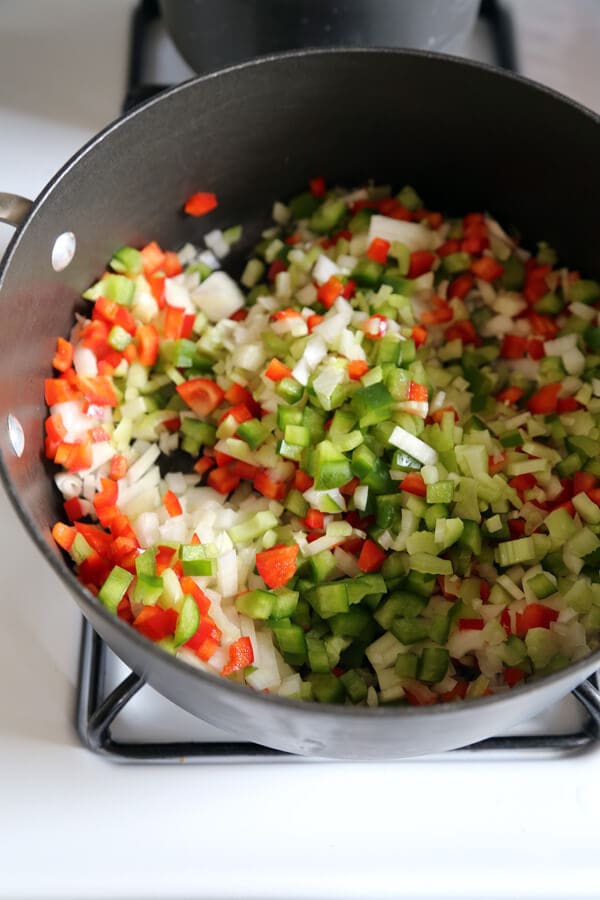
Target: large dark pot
{"x": 468, "y": 137}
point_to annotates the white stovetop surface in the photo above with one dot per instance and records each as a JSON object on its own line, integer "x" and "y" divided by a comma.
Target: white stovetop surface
{"x": 75, "y": 826}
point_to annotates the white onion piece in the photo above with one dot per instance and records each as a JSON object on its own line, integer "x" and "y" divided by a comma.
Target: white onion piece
{"x": 416, "y": 237}
{"x": 412, "y": 445}
{"x": 324, "y": 268}
{"x": 218, "y": 297}
{"x": 84, "y": 361}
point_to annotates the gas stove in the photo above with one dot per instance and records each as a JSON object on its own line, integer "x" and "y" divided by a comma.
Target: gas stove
{"x": 518, "y": 816}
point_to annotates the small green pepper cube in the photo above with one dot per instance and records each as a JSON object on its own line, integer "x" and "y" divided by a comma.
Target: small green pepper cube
{"x": 327, "y": 216}
{"x": 291, "y": 641}
{"x": 188, "y": 620}
{"x": 303, "y": 205}
{"x": 253, "y": 432}
{"x": 433, "y": 664}
{"x": 255, "y": 604}
{"x": 331, "y": 467}
{"x": 127, "y": 261}
{"x": 354, "y": 685}
{"x": 114, "y": 588}
{"x": 289, "y": 390}
{"x": 194, "y": 560}
{"x": 409, "y": 198}
{"x": 410, "y": 631}
{"x": 328, "y": 599}
{"x": 406, "y": 665}
{"x": 285, "y": 602}
{"x": 318, "y": 659}
{"x": 327, "y": 688}
{"x": 372, "y": 404}
{"x": 148, "y": 589}
{"x": 584, "y": 291}
{"x": 118, "y": 338}
{"x": 297, "y": 434}
{"x": 145, "y": 563}
{"x": 440, "y": 492}
{"x": 117, "y": 288}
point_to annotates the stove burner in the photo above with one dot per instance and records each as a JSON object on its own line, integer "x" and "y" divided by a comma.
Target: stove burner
{"x": 97, "y": 711}
{"x": 97, "y": 708}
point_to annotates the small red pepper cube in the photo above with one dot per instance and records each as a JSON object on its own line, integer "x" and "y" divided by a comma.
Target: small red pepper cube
{"x": 378, "y": 250}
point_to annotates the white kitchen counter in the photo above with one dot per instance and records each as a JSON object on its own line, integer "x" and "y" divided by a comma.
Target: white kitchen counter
{"x": 75, "y": 826}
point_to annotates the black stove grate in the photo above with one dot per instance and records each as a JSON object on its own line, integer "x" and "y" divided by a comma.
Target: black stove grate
{"x": 98, "y": 708}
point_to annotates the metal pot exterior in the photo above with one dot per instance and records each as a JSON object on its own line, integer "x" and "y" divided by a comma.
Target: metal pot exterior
{"x": 468, "y": 137}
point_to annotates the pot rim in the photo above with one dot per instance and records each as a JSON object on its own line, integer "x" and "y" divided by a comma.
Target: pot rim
{"x": 57, "y": 562}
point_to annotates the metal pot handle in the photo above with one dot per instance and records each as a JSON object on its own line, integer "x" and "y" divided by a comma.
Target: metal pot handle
{"x": 14, "y": 208}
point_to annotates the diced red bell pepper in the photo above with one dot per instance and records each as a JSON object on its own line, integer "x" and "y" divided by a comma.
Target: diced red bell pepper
{"x": 584, "y": 481}
{"x": 64, "y": 535}
{"x": 516, "y": 527}
{"x": 413, "y": 483}
{"x": 202, "y": 395}
{"x": 510, "y": 395}
{"x": 421, "y": 261}
{"x": 329, "y": 292}
{"x": 171, "y": 265}
{"x": 275, "y": 268}
{"x": 545, "y": 401}
{"x": 63, "y": 358}
{"x": 314, "y": 320}
{"x": 200, "y": 203}
{"x": 223, "y": 480}
{"x": 448, "y": 247}
{"x": 314, "y": 519}
{"x": 419, "y": 335}
{"x": 164, "y": 558}
{"x": 535, "y": 348}
{"x": 372, "y": 557}
{"x": 75, "y": 456}
{"x": 512, "y": 675}
{"x": 97, "y": 389}
{"x": 470, "y": 624}
{"x": 567, "y": 405}
{"x": 543, "y": 325}
{"x": 463, "y": 330}
{"x": 317, "y": 186}
{"x": 442, "y": 313}
{"x": 265, "y": 485}
{"x": 417, "y": 392}
{"x": 302, "y": 481}
{"x": 535, "y": 615}
{"x": 189, "y": 586}
{"x": 153, "y": 258}
{"x": 202, "y": 465}
{"x": 156, "y": 623}
{"x": 58, "y": 390}
{"x": 147, "y": 337}
{"x": 173, "y": 322}
{"x": 460, "y": 286}
{"x": 418, "y": 694}
{"x": 487, "y": 268}
{"x": 277, "y": 565}
{"x": 357, "y": 368}
{"x": 157, "y": 288}
{"x": 171, "y": 504}
{"x": 514, "y": 346}
{"x": 458, "y": 692}
{"x": 277, "y": 371}
{"x": 535, "y": 282}
{"x": 378, "y": 250}
{"x": 496, "y": 463}
{"x": 240, "y": 655}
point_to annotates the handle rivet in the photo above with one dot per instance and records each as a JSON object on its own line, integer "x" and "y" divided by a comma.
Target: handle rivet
{"x": 63, "y": 250}
{"x": 16, "y": 436}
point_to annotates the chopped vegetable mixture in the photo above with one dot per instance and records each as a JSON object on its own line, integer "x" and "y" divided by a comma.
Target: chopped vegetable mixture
{"x": 368, "y": 473}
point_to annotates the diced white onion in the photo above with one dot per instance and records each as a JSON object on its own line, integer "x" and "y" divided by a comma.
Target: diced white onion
{"x": 413, "y": 235}
{"x": 413, "y": 445}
